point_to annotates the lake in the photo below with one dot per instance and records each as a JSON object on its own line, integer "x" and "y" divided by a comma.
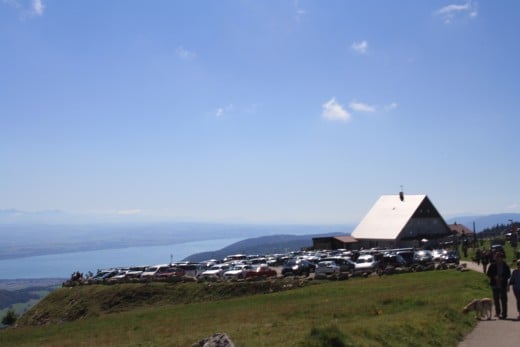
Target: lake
{"x": 63, "y": 265}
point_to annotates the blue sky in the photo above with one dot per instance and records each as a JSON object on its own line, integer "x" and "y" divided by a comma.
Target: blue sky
{"x": 258, "y": 111}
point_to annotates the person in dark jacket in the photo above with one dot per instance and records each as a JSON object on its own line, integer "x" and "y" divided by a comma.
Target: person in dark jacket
{"x": 499, "y": 274}
{"x": 485, "y": 259}
{"x": 514, "y": 282}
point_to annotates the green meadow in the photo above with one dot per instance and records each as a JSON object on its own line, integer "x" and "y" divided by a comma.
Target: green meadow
{"x": 412, "y": 309}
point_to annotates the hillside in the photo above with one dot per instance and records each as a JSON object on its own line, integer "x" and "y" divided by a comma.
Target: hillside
{"x": 407, "y": 309}
{"x": 80, "y": 302}
{"x": 261, "y": 245}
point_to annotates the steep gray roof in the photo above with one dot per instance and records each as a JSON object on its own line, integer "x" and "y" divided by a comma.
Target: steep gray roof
{"x": 388, "y": 217}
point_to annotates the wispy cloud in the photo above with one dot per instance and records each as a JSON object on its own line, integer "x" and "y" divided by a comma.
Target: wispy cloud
{"x": 391, "y": 106}
{"x": 450, "y": 12}
{"x": 185, "y": 54}
{"x": 300, "y": 13}
{"x": 333, "y": 111}
{"x": 37, "y": 7}
{"x": 27, "y": 9}
{"x": 222, "y": 111}
{"x": 360, "y": 47}
{"x": 361, "y": 107}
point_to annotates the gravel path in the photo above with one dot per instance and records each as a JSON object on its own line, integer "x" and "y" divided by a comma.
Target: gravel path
{"x": 496, "y": 332}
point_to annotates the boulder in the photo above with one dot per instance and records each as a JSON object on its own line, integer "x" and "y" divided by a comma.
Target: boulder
{"x": 215, "y": 340}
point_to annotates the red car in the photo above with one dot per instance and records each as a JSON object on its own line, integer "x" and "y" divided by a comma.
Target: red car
{"x": 261, "y": 271}
{"x": 170, "y": 272}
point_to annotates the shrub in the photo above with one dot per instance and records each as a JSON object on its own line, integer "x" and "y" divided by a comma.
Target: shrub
{"x": 9, "y": 318}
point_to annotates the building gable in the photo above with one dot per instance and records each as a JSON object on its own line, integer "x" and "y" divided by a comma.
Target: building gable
{"x": 395, "y": 218}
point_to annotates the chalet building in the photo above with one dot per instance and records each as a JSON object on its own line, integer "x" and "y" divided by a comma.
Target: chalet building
{"x": 334, "y": 242}
{"x": 460, "y": 230}
{"x": 401, "y": 221}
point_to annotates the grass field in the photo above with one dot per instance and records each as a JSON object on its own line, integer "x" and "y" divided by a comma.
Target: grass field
{"x": 414, "y": 309}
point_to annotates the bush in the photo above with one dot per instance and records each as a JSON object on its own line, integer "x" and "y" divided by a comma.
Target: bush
{"x": 9, "y": 318}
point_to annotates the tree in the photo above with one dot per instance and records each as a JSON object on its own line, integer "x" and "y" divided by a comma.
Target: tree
{"x": 9, "y": 318}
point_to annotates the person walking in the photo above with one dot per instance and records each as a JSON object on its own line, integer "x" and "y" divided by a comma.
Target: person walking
{"x": 514, "y": 282}
{"x": 485, "y": 259}
{"x": 499, "y": 273}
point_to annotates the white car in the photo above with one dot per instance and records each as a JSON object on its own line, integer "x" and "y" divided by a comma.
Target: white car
{"x": 237, "y": 271}
{"x": 214, "y": 272}
{"x": 150, "y": 271}
{"x": 365, "y": 264}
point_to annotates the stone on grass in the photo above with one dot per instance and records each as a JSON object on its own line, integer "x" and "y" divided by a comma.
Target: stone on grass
{"x": 215, "y": 340}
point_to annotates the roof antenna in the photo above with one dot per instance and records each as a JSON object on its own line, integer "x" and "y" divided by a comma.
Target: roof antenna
{"x": 401, "y": 194}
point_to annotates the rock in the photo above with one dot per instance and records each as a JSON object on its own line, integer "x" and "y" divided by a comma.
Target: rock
{"x": 215, "y": 340}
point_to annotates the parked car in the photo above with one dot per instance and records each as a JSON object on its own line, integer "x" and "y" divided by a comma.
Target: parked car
{"x": 298, "y": 267}
{"x": 102, "y": 275}
{"x": 214, "y": 272}
{"x": 365, "y": 264}
{"x": 423, "y": 260}
{"x": 121, "y": 273}
{"x": 134, "y": 271}
{"x": 170, "y": 272}
{"x": 192, "y": 269}
{"x": 407, "y": 256}
{"x": 437, "y": 253}
{"x": 423, "y": 255}
{"x": 334, "y": 268}
{"x": 150, "y": 271}
{"x": 391, "y": 263}
{"x": 237, "y": 271}
{"x": 275, "y": 260}
{"x": 451, "y": 256}
{"x": 261, "y": 271}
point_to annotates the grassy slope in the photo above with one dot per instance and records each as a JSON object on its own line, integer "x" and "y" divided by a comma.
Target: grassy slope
{"x": 416, "y": 309}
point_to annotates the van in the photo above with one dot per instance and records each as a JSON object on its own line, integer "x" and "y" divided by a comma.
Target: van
{"x": 150, "y": 271}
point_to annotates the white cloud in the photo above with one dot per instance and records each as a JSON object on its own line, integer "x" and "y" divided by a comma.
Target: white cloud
{"x": 448, "y": 13}
{"x": 184, "y": 53}
{"x": 361, "y": 107}
{"x": 391, "y": 106}
{"x": 300, "y": 13}
{"x": 27, "y": 9}
{"x": 222, "y": 111}
{"x": 37, "y": 7}
{"x": 333, "y": 111}
{"x": 360, "y": 47}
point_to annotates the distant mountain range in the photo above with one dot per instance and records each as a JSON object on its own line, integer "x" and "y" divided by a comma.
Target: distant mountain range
{"x": 57, "y": 217}
{"x": 281, "y": 243}
{"x": 25, "y": 240}
{"x": 261, "y": 245}
{"x": 51, "y": 232}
